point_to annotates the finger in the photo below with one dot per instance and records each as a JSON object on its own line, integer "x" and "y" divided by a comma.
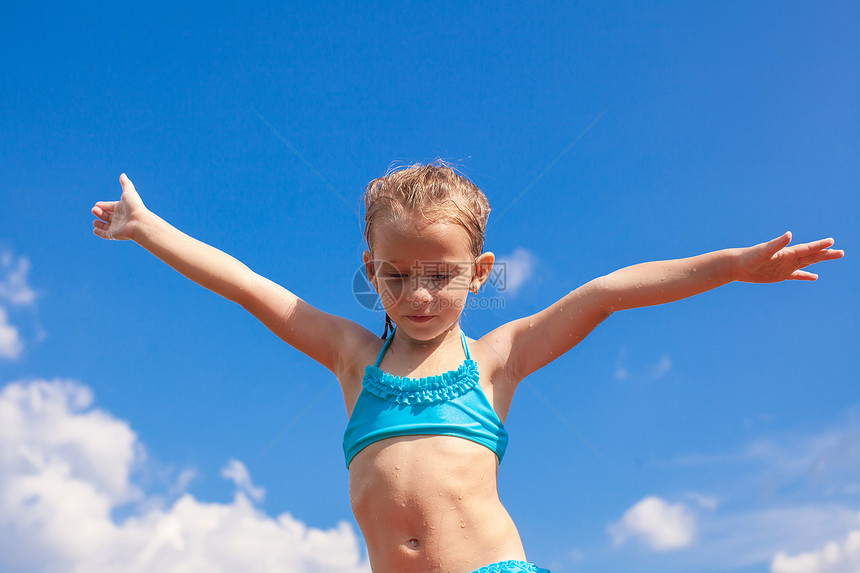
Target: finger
{"x": 806, "y": 249}
{"x": 102, "y": 214}
{"x": 800, "y": 275}
{"x": 106, "y": 205}
{"x": 826, "y": 255}
{"x": 100, "y": 232}
{"x": 774, "y": 245}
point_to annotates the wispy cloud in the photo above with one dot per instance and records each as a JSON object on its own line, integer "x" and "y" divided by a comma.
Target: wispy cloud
{"x": 653, "y": 371}
{"x": 65, "y": 468}
{"x": 14, "y": 291}
{"x": 704, "y": 501}
{"x": 10, "y": 341}
{"x": 236, "y": 472}
{"x": 826, "y": 461}
{"x": 513, "y": 271}
{"x": 661, "y": 368}
{"x": 804, "y": 516}
{"x": 14, "y": 288}
{"x": 742, "y": 539}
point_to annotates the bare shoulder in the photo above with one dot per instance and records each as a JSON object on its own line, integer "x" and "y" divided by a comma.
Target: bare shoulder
{"x": 516, "y": 349}
{"x": 358, "y": 347}
{"x": 492, "y": 352}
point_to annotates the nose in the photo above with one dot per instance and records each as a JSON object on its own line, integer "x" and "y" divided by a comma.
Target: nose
{"x": 420, "y": 295}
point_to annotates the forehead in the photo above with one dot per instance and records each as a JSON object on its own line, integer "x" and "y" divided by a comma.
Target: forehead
{"x": 408, "y": 239}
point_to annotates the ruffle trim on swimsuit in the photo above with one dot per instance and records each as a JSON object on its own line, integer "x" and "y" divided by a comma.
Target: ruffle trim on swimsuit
{"x": 510, "y": 567}
{"x": 426, "y": 390}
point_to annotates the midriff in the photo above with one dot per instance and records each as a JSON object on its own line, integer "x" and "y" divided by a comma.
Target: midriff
{"x": 431, "y": 503}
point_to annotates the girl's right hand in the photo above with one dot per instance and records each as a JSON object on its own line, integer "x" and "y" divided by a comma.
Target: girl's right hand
{"x": 117, "y": 219}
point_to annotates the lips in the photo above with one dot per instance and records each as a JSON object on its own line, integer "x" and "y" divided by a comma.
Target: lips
{"x": 420, "y": 319}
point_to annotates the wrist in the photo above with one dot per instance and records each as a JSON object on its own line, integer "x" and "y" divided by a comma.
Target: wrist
{"x": 733, "y": 264}
{"x": 143, "y": 226}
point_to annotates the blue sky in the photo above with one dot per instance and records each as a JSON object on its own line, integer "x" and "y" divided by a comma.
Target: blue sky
{"x": 723, "y": 429}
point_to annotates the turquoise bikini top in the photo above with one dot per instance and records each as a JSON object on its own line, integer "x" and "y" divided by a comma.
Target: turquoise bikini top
{"x": 449, "y": 404}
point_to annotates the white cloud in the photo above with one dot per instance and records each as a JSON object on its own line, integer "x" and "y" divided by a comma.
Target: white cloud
{"x": 238, "y": 474}
{"x": 514, "y": 270}
{"x": 834, "y": 557}
{"x": 13, "y": 280}
{"x": 65, "y": 467}
{"x": 10, "y": 342}
{"x": 657, "y": 524}
{"x": 14, "y": 290}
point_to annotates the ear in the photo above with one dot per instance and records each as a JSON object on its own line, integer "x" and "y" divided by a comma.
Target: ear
{"x": 370, "y": 269}
{"x": 483, "y": 268}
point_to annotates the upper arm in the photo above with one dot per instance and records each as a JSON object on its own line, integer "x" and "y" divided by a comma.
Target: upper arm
{"x": 530, "y": 343}
{"x": 333, "y": 341}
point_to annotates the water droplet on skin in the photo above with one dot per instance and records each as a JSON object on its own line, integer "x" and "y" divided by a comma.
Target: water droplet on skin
{"x": 459, "y": 497}
{"x": 694, "y": 269}
{"x": 531, "y": 324}
{"x": 462, "y": 524}
{"x": 397, "y": 467}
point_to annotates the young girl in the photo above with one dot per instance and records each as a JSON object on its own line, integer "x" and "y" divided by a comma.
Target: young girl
{"x": 426, "y": 404}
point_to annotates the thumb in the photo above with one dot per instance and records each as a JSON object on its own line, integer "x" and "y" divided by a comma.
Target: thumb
{"x": 126, "y": 183}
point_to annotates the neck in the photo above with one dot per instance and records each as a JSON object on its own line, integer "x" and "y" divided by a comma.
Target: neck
{"x": 449, "y": 336}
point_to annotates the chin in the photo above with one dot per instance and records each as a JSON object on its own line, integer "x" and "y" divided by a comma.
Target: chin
{"x": 424, "y": 332}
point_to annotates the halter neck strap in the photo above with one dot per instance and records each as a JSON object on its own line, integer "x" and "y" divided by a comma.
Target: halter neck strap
{"x": 390, "y": 338}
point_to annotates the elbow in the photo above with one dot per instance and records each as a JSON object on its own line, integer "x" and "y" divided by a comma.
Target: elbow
{"x": 603, "y": 299}
{"x": 244, "y": 293}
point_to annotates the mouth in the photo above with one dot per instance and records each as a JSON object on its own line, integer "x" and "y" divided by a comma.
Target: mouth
{"x": 419, "y": 318}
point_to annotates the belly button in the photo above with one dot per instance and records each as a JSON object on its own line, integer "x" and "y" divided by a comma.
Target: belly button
{"x": 413, "y": 543}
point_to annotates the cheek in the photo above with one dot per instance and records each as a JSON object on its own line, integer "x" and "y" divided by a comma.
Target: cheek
{"x": 461, "y": 282}
{"x": 390, "y": 291}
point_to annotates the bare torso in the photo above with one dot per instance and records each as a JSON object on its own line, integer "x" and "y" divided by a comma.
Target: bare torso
{"x": 431, "y": 503}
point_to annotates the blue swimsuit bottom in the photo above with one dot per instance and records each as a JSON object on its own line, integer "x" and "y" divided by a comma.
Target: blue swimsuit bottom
{"x": 511, "y": 567}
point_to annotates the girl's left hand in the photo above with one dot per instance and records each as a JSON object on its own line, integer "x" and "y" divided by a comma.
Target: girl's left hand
{"x": 775, "y": 261}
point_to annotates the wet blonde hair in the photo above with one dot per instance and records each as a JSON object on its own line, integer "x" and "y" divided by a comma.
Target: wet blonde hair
{"x": 436, "y": 192}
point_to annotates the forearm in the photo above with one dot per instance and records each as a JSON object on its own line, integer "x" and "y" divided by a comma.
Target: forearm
{"x": 659, "y": 282}
{"x": 203, "y": 264}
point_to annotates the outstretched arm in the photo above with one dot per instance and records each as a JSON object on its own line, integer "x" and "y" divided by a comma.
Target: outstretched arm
{"x": 532, "y": 342}
{"x": 321, "y": 336}
{"x": 659, "y": 282}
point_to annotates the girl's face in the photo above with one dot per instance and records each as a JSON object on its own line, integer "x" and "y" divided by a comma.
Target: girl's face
{"x": 422, "y": 272}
